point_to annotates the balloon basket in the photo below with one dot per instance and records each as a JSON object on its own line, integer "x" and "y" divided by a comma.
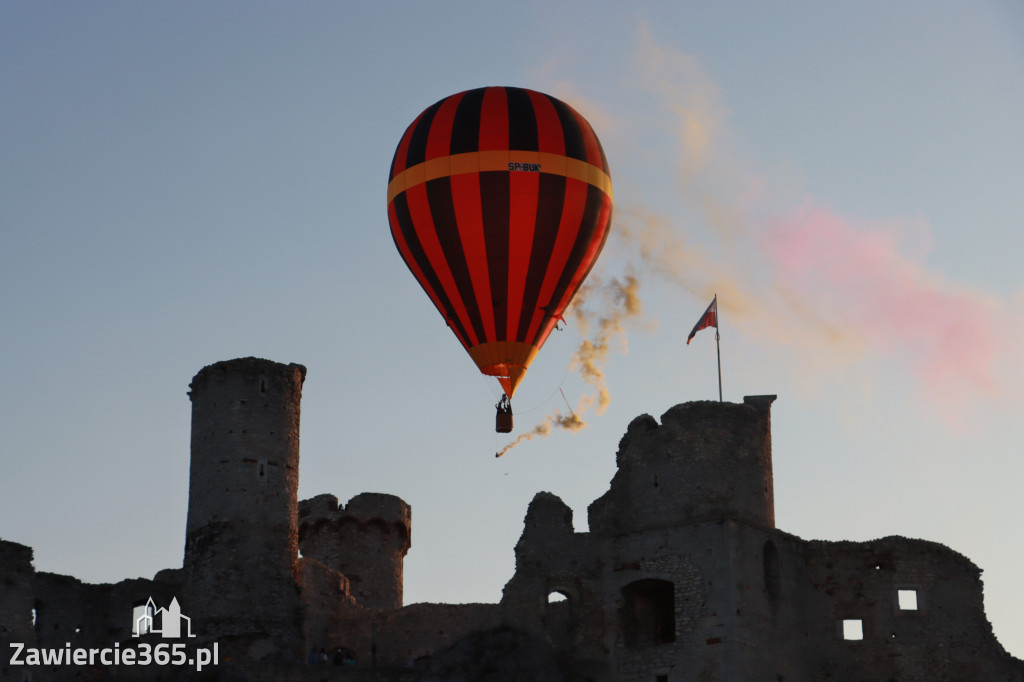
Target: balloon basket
{"x": 503, "y": 422}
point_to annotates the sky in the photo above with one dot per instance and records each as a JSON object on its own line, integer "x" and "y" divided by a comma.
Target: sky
{"x": 184, "y": 183}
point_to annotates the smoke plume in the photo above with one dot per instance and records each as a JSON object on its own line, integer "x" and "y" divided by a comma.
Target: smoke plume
{"x": 599, "y": 309}
{"x": 824, "y": 290}
{"x": 832, "y": 290}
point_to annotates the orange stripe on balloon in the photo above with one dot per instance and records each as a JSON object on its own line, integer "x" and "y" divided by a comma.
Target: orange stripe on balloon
{"x": 498, "y": 160}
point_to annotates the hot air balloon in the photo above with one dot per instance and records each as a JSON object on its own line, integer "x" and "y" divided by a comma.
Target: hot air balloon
{"x": 500, "y": 201}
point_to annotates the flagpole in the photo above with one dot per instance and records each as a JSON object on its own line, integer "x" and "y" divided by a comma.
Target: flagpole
{"x": 718, "y": 351}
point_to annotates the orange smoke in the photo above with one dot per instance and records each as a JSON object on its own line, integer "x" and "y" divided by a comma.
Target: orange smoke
{"x": 572, "y": 422}
{"x": 599, "y": 309}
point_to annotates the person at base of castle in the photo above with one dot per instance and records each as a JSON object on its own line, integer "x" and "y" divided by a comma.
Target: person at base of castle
{"x": 323, "y": 655}
{"x": 313, "y": 658}
{"x": 339, "y": 657}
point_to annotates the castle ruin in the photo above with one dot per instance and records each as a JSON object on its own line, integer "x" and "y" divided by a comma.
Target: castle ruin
{"x": 682, "y": 575}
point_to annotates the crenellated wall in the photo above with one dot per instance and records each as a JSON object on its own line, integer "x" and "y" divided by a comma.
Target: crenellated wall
{"x": 366, "y": 540}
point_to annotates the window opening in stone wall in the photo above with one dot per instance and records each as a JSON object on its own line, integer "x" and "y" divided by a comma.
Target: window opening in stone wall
{"x": 661, "y": 678}
{"x": 906, "y": 600}
{"x": 141, "y": 625}
{"x": 853, "y": 629}
{"x": 263, "y": 385}
{"x": 558, "y": 619}
{"x": 772, "y": 581}
{"x": 649, "y": 613}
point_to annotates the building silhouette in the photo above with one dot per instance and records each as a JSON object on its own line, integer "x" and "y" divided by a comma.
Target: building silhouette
{"x": 682, "y": 575}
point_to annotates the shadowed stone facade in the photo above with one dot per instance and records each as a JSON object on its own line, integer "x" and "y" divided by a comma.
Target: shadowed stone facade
{"x": 365, "y": 540}
{"x": 681, "y": 577}
{"x": 241, "y": 537}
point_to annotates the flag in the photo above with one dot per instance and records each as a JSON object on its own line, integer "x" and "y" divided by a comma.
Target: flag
{"x": 708, "y": 319}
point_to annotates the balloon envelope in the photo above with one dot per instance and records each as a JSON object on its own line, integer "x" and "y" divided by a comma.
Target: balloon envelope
{"x": 500, "y": 201}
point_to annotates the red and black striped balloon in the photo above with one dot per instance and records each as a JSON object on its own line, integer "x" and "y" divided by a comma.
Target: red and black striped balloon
{"x": 500, "y": 201}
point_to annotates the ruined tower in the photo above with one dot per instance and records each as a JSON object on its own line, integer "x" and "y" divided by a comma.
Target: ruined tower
{"x": 366, "y": 540}
{"x": 663, "y": 576}
{"x": 241, "y": 541}
{"x": 706, "y": 459}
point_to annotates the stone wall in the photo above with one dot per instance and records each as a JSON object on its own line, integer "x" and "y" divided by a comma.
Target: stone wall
{"x": 16, "y": 591}
{"x": 919, "y": 608}
{"x": 704, "y": 459}
{"x": 17, "y": 601}
{"x": 684, "y": 577}
{"x": 51, "y": 611}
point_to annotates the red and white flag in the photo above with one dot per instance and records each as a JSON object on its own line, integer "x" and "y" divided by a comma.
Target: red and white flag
{"x": 708, "y": 319}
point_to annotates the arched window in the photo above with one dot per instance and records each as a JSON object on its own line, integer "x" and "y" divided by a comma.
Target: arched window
{"x": 556, "y": 596}
{"x": 558, "y": 619}
{"x": 649, "y": 613}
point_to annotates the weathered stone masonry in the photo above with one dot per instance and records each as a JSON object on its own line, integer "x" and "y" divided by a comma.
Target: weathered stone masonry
{"x": 682, "y": 575}
{"x": 241, "y": 538}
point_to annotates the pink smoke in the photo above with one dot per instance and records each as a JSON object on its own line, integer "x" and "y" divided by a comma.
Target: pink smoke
{"x": 862, "y": 278}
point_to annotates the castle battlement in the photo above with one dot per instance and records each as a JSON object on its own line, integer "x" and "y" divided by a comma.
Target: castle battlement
{"x": 366, "y": 540}
{"x": 364, "y": 509}
{"x": 704, "y": 459}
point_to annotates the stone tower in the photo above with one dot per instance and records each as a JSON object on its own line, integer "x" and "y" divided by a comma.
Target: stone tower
{"x": 241, "y": 539}
{"x": 706, "y": 459}
{"x": 366, "y": 540}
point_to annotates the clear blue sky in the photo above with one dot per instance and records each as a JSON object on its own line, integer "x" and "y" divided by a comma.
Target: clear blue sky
{"x": 188, "y": 182}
